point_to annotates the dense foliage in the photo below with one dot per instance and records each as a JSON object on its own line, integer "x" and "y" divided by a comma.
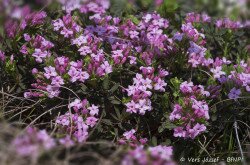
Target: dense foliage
{"x": 122, "y": 82}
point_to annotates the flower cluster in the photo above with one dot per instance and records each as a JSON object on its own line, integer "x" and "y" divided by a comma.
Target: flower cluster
{"x": 79, "y": 122}
{"x": 26, "y": 18}
{"x": 197, "y": 18}
{"x": 33, "y": 19}
{"x": 66, "y": 26}
{"x": 219, "y": 23}
{"x": 238, "y": 74}
{"x": 130, "y": 139}
{"x": 85, "y": 46}
{"x": 192, "y": 113}
{"x": 33, "y": 142}
{"x": 152, "y": 155}
{"x": 140, "y": 90}
{"x": 37, "y": 46}
{"x": 139, "y": 154}
{"x": 85, "y": 6}
{"x": 227, "y": 23}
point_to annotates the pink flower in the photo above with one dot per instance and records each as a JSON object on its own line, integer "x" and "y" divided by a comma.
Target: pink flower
{"x": 53, "y": 91}
{"x": 84, "y": 50}
{"x": 93, "y": 110}
{"x": 186, "y": 87}
{"x": 80, "y": 40}
{"x": 164, "y": 152}
{"x": 106, "y": 67}
{"x": 196, "y": 130}
{"x": 131, "y": 107}
{"x": 63, "y": 119}
{"x": 40, "y": 55}
{"x": 26, "y": 37}
{"x": 57, "y": 81}
{"x": 91, "y": 121}
{"x": 134, "y": 34}
{"x": 180, "y": 132}
{"x": 160, "y": 85}
{"x": 83, "y": 76}
{"x": 2, "y": 56}
{"x": 24, "y": 49}
{"x": 176, "y": 114}
{"x": 129, "y": 134}
{"x": 76, "y": 104}
{"x": 32, "y": 143}
{"x": 217, "y": 72}
{"x": 81, "y": 133}
{"x": 57, "y": 24}
{"x": 50, "y": 72}
{"x": 67, "y": 142}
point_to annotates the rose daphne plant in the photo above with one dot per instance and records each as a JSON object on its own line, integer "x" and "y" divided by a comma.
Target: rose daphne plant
{"x": 143, "y": 73}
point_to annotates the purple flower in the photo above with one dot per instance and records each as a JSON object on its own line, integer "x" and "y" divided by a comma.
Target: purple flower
{"x": 24, "y": 49}
{"x": 50, "y": 72}
{"x": 40, "y": 55}
{"x": 11, "y": 28}
{"x": 57, "y": 24}
{"x": 76, "y": 104}
{"x": 180, "y": 132}
{"x": 61, "y": 64}
{"x": 159, "y": 85}
{"x": 80, "y": 40}
{"x": 129, "y": 134}
{"x": 34, "y": 71}
{"x": 105, "y": 68}
{"x": 84, "y": 50}
{"x": 178, "y": 36}
{"x": 53, "y": 91}
{"x": 91, "y": 121}
{"x": 26, "y": 37}
{"x": 219, "y": 23}
{"x": 131, "y": 107}
{"x": 176, "y": 114}
{"x": 38, "y": 18}
{"x": 234, "y": 93}
{"x": 63, "y": 120}
{"x": 217, "y": 72}
{"x": 2, "y": 56}
{"x": 134, "y": 34}
{"x": 67, "y": 142}
{"x": 163, "y": 152}
{"x": 186, "y": 87}
{"x": 81, "y": 133}
{"x": 76, "y": 73}
{"x": 57, "y": 81}
{"x": 33, "y": 142}
{"x": 196, "y": 130}
{"x": 93, "y": 110}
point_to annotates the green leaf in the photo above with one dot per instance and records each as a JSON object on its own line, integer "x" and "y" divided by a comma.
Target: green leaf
{"x": 115, "y": 102}
{"x": 134, "y": 19}
{"x": 117, "y": 111}
{"x": 154, "y": 141}
{"x": 106, "y": 121}
{"x": 114, "y": 88}
{"x": 105, "y": 83}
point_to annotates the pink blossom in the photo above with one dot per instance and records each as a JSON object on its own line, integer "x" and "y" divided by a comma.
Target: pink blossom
{"x": 91, "y": 121}
{"x": 217, "y": 72}
{"x": 93, "y": 110}
{"x": 129, "y": 134}
{"x": 50, "y": 72}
